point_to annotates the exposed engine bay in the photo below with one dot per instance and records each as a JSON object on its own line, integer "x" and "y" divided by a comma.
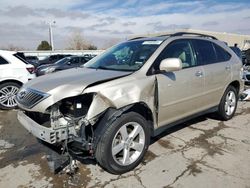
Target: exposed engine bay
{"x": 72, "y": 134}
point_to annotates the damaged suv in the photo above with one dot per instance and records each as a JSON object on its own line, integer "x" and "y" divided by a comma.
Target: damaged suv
{"x": 114, "y": 104}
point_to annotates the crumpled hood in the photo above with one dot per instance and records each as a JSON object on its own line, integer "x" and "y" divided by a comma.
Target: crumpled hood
{"x": 76, "y": 78}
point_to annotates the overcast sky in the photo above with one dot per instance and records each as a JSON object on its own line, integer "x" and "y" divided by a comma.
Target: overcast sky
{"x": 23, "y": 22}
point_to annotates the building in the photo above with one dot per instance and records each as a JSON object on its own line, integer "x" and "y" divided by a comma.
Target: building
{"x": 242, "y": 41}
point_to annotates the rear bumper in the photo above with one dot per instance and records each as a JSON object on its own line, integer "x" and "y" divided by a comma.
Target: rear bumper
{"x": 46, "y": 134}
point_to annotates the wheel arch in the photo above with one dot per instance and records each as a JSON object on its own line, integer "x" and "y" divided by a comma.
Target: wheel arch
{"x": 143, "y": 109}
{"x": 11, "y": 80}
{"x": 112, "y": 114}
{"x": 236, "y": 85}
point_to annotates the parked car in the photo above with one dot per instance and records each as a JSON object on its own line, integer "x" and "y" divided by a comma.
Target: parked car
{"x": 89, "y": 56}
{"x": 113, "y": 105}
{"x": 14, "y": 72}
{"x": 33, "y": 60}
{"x": 62, "y": 64}
{"x": 246, "y": 74}
{"x": 53, "y": 58}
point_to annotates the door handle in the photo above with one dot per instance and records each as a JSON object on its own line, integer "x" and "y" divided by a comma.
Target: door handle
{"x": 228, "y": 67}
{"x": 199, "y": 74}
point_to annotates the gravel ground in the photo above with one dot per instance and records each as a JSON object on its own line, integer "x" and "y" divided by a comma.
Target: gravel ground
{"x": 203, "y": 152}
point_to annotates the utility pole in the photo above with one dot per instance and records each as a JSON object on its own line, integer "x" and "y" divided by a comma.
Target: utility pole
{"x": 51, "y": 35}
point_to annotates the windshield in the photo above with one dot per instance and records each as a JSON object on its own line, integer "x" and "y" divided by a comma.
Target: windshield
{"x": 63, "y": 61}
{"x": 127, "y": 56}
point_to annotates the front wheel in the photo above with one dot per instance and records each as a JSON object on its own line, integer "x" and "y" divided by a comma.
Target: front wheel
{"x": 228, "y": 104}
{"x": 124, "y": 143}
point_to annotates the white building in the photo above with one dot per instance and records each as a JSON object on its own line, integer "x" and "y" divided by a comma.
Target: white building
{"x": 243, "y": 41}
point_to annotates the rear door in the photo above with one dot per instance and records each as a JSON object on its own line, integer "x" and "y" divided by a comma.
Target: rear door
{"x": 217, "y": 70}
{"x": 180, "y": 92}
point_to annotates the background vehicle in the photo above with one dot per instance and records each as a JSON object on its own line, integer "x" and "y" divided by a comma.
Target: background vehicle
{"x": 53, "y": 58}
{"x": 33, "y": 60}
{"x": 246, "y": 74}
{"x": 115, "y": 103}
{"x": 62, "y": 64}
{"x": 14, "y": 72}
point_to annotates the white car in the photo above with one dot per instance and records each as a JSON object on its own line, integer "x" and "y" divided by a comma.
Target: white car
{"x": 14, "y": 72}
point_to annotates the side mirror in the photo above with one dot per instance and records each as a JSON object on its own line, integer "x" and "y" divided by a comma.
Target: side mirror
{"x": 68, "y": 63}
{"x": 170, "y": 64}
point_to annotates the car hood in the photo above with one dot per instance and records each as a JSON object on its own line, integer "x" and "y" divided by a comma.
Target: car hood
{"x": 76, "y": 79}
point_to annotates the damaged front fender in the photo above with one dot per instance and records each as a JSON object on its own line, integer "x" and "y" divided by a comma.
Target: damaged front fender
{"x": 120, "y": 93}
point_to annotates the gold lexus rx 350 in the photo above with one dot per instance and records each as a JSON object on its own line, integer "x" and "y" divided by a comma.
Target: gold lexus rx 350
{"x": 113, "y": 105}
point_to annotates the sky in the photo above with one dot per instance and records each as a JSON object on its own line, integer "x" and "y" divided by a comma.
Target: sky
{"x": 24, "y": 23}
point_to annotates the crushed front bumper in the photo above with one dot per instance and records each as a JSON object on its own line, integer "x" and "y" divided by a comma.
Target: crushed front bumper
{"x": 46, "y": 134}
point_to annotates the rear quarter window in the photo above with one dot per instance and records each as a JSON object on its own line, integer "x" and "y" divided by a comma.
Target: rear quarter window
{"x": 3, "y": 61}
{"x": 222, "y": 55}
{"x": 20, "y": 57}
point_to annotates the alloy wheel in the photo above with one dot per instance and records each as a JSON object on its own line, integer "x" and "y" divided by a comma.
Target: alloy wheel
{"x": 128, "y": 143}
{"x": 230, "y": 103}
{"x": 7, "y": 96}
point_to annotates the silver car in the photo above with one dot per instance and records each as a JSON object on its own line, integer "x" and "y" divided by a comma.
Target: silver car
{"x": 116, "y": 102}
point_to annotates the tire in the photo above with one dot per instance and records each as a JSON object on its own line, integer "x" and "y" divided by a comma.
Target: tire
{"x": 118, "y": 152}
{"x": 8, "y": 91}
{"x": 228, "y": 103}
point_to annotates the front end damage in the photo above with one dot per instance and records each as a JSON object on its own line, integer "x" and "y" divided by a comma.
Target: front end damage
{"x": 74, "y": 124}
{"x": 63, "y": 121}
{"x": 64, "y": 128}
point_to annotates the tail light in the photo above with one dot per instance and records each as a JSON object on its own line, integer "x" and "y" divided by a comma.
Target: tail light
{"x": 31, "y": 70}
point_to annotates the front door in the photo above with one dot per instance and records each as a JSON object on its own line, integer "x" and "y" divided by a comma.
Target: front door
{"x": 180, "y": 92}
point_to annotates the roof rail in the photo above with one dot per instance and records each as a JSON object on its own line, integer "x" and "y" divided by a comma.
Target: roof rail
{"x": 198, "y": 34}
{"x": 178, "y": 34}
{"x": 136, "y": 38}
{"x": 164, "y": 35}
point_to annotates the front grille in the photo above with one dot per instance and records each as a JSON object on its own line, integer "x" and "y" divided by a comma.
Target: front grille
{"x": 29, "y": 97}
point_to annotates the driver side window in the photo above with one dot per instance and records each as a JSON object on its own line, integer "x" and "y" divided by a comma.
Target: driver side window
{"x": 181, "y": 49}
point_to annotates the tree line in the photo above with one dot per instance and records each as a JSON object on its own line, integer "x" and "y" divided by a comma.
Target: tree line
{"x": 75, "y": 42}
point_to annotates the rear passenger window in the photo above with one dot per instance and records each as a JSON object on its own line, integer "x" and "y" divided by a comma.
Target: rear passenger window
{"x": 205, "y": 52}
{"x": 3, "y": 61}
{"x": 222, "y": 55}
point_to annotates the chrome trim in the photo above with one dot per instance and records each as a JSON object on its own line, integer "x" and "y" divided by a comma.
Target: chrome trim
{"x": 28, "y": 97}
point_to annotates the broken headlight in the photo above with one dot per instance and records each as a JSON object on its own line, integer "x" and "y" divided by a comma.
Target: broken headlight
{"x": 76, "y": 106}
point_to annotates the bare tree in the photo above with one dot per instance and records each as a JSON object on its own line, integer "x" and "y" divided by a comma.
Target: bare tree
{"x": 77, "y": 42}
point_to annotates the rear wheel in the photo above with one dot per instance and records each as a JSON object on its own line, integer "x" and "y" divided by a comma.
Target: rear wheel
{"x": 228, "y": 103}
{"x": 123, "y": 144}
{"x": 8, "y": 93}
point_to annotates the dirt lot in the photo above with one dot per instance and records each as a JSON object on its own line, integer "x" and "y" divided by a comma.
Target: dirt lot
{"x": 201, "y": 153}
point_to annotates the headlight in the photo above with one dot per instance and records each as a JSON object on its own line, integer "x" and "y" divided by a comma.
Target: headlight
{"x": 76, "y": 106}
